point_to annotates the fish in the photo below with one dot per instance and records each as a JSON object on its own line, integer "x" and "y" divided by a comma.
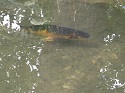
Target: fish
{"x": 53, "y": 32}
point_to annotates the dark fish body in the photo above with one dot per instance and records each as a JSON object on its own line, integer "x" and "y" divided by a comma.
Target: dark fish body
{"x": 56, "y": 31}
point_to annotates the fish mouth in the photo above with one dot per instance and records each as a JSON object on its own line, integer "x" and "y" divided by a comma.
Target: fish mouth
{"x": 54, "y": 31}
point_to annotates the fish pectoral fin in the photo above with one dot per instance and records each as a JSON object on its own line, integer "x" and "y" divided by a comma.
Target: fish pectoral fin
{"x": 73, "y": 36}
{"x": 49, "y": 39}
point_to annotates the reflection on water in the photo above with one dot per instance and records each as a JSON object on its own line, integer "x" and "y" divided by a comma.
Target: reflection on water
{"x": 19, "y": 60}
{"x": 114, "y": 81}
{"x": 31, "y": 65}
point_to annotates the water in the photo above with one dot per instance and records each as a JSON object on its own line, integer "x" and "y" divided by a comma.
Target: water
{"x": 30, "y": 65}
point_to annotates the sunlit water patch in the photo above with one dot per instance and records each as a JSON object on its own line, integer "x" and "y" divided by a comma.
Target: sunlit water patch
{"x": 112, "y": 77}
{"x": 19, "y": 64}
{"x": 112, "y": 69}
{"x": 29, "y": 13}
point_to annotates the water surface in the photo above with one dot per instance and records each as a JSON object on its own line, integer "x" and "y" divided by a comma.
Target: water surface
{"x": 30, "y": 65}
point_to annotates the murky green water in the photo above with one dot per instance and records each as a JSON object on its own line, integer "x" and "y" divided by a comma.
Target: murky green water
{"x": 30, "y": 65}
